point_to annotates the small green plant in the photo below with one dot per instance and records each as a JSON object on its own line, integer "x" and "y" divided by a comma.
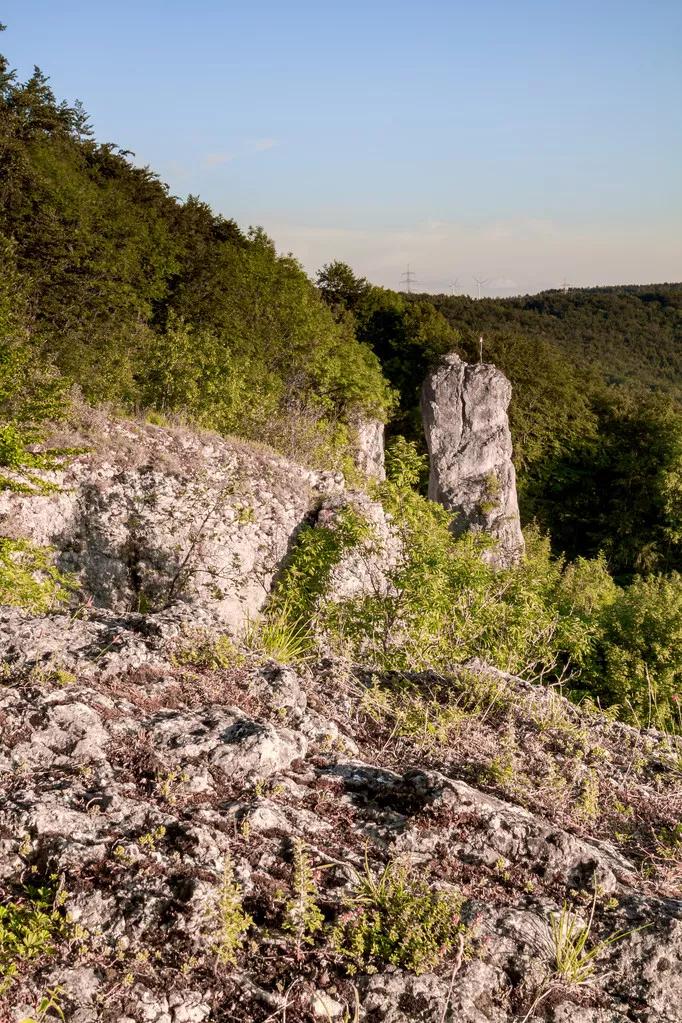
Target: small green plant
{"x": 669, "y": 843}
{"x": 245, "y": 515}
{"x": 397, "y": 918}
{"x": 573, "y": 951}
{"x": 200, "y": 649}
{"x": 167, "y": 783}
{"x": 150, "y": 839}
{"x": 587, "y": 805}
{"x": 502, "y": 769}
{"x": 28, "y": 578}
{"x": 491, "y": 498}
{"x": 49, "y": 1007}
{"x": 302, "y": 915}
{"x": 233, "y": 921}
{"x": 52, "y": 675}
{"x": 280, "y": 637}
{"x": 30, "y": 928}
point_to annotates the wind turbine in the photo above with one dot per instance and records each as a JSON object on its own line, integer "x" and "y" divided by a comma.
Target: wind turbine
{"x": 480, "y": 282}
{"x": 455, "y": 284}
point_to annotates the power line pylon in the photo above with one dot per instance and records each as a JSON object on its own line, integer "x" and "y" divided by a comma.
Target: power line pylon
{"x": 408, "y": 279}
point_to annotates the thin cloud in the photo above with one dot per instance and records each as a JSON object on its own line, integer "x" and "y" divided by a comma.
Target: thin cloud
{"x": 218, "y": 159}
{"x": 517, "y": 255}
{"x": 262, "y": 145}
{"x": 249, "y": 148}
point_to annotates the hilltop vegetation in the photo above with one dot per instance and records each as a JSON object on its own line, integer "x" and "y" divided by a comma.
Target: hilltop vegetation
{"x": 161, "y": 308}
{"x": 599, "y": 462}
{"x": 148, "y": 302}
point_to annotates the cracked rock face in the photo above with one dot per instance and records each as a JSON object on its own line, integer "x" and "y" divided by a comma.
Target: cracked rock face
{"x": 464, "y": 411}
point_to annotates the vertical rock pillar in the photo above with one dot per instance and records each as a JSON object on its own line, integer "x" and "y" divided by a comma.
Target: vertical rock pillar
{"x": 464, "y": 411}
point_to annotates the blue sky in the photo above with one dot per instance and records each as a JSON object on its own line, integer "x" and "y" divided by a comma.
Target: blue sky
{"x": 523, "y": 141}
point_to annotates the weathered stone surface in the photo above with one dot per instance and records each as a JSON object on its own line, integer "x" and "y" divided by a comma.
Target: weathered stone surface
{"x": 370, "y": 449}
{"x": 156, "y": 516}
{"x": 474, "y": 993}
{"x": 464, "y": 409}
{"x": 189, "y": 530}
{"x": 133, "y": 782}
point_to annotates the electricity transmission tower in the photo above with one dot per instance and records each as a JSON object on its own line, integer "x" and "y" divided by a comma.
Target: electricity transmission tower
{"x": 480, "y": 282}
{"x": 407, "y": 279}
{"x": 455, "y": 284}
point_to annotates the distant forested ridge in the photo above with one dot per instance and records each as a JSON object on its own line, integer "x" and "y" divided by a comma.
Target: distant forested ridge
{"x": 632, "y": 334}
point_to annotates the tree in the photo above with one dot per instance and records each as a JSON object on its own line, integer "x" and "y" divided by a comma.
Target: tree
{"x": 340, "y": 288}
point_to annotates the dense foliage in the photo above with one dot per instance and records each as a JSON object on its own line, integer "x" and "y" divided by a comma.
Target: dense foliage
{"x": 632, "y": 335}
{"x": 440, "y": 605}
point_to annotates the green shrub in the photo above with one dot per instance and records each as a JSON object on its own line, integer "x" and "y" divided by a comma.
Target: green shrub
{"x": 397, "y": 919}
{"x": 637, "y": 663}
{"x": 31, "y": 391}
{"x": 28, "y": 578}
{"x": 303, "y": 585}
{"x": 444, "y": 604}
{"x": 302, "y": 915}
{"x": 233, "y": 922}
{"x": 280, "y": 636}
{"x": 427, "y": 713}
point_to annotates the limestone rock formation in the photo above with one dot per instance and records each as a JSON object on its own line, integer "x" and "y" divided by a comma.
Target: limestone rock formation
{"x": 464, "y": 409}
{"x": 147, "y": 517}
{"x": 370, "y": 448}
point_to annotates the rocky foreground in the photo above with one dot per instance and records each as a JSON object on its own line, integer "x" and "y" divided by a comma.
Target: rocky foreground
{"x": 153, "y": 778}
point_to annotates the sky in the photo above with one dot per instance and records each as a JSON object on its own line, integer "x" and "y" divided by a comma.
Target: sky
{"x": 526, "y": 143}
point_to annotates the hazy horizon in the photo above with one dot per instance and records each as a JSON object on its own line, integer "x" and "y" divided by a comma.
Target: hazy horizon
{"x": 527, "y": 144}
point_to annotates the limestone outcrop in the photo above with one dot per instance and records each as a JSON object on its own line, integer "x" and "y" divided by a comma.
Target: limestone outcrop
{"x": 187, "y": 826}
{"x": 146, "y": 518}
{"x": 370, "y": 448}
{"x": 464, "y": 409}
{"x": 128, "y": 784}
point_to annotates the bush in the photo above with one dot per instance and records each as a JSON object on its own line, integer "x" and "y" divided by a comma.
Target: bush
{"x": 444, "y": 604}
{"x": 28, "y": 578}
{"x": 31, "y": 391}
{"x": 397, "y": 919}
{"x": 637, "y": 663}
